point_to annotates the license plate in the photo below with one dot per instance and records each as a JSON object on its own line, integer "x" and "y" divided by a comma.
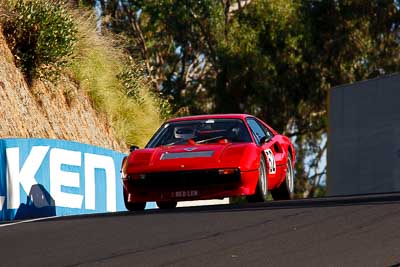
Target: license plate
{"x": 185, "y": 193}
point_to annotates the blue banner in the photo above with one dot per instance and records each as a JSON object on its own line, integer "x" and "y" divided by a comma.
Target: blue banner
{"x": 45, "y": 177}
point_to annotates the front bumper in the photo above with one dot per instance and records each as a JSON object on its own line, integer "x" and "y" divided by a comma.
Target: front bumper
{"x": 189, "y": 185}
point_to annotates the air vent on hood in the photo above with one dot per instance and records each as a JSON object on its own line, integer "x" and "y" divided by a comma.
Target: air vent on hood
{"x": 187, "y": 155}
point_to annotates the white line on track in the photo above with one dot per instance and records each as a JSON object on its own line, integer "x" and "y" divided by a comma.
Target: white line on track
{"x": 27, "y": 221}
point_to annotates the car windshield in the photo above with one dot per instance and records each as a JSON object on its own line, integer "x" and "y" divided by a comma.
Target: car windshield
{"x": 200, "y": 132}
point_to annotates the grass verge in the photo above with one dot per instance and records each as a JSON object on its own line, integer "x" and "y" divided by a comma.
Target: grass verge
{"x": 96, "y": 66}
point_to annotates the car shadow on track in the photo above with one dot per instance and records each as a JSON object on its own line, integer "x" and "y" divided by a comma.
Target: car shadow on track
{"x": 333, "y": 201}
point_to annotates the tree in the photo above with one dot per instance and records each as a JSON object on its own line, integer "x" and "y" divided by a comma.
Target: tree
{"x": 275, "y": 59}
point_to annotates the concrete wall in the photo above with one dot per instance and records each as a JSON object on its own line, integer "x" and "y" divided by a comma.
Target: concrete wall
{"x": 364, "y": 137}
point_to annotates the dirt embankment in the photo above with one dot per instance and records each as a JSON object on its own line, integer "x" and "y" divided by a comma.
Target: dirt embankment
{"x": 44, "y": 110}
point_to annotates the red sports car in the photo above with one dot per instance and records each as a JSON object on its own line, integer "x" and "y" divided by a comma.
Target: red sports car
{"x": 209, "y": 157}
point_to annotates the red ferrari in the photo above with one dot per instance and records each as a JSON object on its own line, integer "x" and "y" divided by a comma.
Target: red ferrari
{"x": 209, "y": 157}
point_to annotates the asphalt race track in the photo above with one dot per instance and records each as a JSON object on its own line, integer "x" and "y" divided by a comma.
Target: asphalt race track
{"x": 340, "y": 231}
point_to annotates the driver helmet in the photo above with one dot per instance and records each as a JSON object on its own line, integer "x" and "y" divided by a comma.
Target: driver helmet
{"x": 183, "y": 132}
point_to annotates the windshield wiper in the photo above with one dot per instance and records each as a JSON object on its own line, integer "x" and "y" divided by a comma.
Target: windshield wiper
{"x": 177, "y": 142}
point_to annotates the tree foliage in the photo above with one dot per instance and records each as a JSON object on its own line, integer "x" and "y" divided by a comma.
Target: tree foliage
{"x": 275, "y": 59}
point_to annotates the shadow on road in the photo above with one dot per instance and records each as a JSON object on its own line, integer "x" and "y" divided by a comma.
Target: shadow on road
{"x": 334, "y": 201}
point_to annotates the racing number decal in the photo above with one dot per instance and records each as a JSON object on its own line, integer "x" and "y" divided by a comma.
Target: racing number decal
{"x": 271, "y": 161}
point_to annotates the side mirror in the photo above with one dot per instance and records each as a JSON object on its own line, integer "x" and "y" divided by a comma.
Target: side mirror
{"x": 265, "y": 139}
{"x": 132, "y": 148}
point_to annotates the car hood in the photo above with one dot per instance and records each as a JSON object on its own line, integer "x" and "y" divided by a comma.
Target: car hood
{"x": 187, "y": 157}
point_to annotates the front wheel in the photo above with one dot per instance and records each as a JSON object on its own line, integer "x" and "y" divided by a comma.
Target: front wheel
{"x": 286, "y": 189}
{"x": 133, "y": 206}
{"x": 166, "y": 204}
{"x": 261, "y": 193}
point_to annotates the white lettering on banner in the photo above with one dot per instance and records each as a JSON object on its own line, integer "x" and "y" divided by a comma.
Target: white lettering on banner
{"x": 24, "y": 176}
{"x": 58, "y": 177}
{"x": 93, "y": 162}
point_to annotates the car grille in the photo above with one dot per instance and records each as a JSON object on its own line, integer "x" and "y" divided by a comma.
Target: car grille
{"x": 187, "y": 178}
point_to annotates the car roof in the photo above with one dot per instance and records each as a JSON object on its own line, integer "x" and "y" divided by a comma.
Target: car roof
{"x": 211, "y": 116}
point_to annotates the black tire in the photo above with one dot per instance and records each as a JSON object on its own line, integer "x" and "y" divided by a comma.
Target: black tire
{"x": 285, "y": 190}
{"x": 166, "y": 205}
{"x": 133, "y": 206}
{"x": 261, "y": 193}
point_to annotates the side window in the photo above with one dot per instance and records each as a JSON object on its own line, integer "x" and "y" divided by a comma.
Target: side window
{"x": 256, "y": 130}
{"x": 266, "y": 130}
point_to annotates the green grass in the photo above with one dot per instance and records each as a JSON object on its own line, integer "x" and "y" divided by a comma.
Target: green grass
{"x": 96, "y": 65}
